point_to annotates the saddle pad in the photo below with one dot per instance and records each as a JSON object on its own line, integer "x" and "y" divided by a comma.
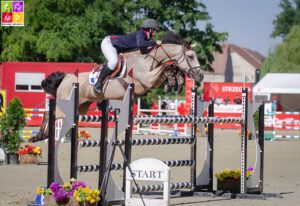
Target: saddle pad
{"x": 93, "y": 76}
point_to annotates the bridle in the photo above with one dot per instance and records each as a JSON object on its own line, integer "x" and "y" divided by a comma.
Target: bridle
{"x": 176, "y": 62}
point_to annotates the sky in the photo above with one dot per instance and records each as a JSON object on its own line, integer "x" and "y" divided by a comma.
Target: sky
{"x": 249, "y": 23}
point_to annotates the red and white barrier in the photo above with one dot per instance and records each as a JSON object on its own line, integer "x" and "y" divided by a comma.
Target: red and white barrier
{"x": 160, "y": 128}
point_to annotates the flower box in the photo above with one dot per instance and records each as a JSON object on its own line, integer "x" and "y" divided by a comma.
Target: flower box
{"x": 71, "y": 193}
{"x": 28, "y": 159}
{"x": 70, "y": 201}
{"x": 231, "y": 185}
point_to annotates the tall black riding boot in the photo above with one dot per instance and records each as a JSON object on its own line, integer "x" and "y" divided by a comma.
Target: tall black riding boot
{"x": 103, "y": 74}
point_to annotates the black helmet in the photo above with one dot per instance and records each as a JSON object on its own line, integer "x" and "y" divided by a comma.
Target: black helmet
{"x": 150, "y": 23}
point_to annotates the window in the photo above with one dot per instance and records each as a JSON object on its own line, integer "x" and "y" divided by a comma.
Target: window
{"x": 26, "y": 81}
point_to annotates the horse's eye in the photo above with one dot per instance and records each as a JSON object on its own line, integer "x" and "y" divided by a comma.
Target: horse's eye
{"x": 191, "y": 57}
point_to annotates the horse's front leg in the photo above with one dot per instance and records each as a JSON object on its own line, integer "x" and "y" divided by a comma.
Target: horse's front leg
{"x": 43, "y": 132}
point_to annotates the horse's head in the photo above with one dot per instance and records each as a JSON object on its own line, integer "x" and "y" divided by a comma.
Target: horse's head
{"x": 185, "y": 58}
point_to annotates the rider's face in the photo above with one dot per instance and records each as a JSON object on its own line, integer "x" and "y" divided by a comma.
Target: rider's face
{"x": 154, "y": 32}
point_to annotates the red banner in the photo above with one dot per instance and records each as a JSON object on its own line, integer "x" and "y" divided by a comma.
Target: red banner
{"x": 189, "y": 84}
{"x": 228, "y": 100}
{"x": 231, "y": 90}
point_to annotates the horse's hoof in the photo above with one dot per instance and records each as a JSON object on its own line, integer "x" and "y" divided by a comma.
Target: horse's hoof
{"x": 31, "y": 139}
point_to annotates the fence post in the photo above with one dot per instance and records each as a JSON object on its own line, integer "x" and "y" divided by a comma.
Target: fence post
{"x": 244, "y": 141}
{"x": 74, "y": 139}
{"x": 51, "y": 142}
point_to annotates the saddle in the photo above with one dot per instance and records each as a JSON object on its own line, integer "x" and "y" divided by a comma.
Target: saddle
{"x": 119, "y": 70}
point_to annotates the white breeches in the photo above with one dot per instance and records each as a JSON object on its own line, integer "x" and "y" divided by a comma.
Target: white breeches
{"x": 110, "y": 53}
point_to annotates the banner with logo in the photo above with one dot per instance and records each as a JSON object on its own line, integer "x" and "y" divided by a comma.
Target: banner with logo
{"x": 12, "y": 13}
{"x": 228, "y": 100}
{"x": 231, "y": 90}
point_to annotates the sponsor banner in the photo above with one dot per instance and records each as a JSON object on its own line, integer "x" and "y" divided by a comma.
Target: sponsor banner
{"x": 222, "y": 90}
{"x": 229, "y": 108}
{"x": 287, "y": 121}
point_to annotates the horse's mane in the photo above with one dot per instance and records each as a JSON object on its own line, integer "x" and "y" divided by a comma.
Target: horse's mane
{"x": 172, "y": 38}
{"x": 51, "y": 83}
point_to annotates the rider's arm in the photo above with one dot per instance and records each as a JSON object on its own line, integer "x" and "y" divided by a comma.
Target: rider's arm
{"x": 141, "y": 40}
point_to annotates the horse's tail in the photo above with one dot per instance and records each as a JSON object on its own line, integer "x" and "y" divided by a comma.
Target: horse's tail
{"x": 52, "y": 82}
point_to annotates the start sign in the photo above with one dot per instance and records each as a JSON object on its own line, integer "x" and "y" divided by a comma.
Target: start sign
{"x": 148, "y": 169}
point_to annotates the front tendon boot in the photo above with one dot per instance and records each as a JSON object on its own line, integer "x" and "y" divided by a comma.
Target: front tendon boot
{"x": 103, "y": 74}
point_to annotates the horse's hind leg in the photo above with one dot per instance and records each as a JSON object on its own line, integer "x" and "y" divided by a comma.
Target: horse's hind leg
{"x": 43, "y": 132}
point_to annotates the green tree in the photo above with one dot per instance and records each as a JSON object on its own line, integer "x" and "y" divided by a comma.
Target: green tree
{"x": 285, "y": 58}
{"x": 11, "y": 122}
{"x": 289, "y": 16}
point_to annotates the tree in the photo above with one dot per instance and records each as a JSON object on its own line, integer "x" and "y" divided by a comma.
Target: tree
{"x": 285, "y": 57}
{"x": 11, "y": 122}
{"x": 287, "y": 18}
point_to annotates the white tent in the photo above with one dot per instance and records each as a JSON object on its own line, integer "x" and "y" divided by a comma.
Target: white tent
{"x": 284, "y": 86}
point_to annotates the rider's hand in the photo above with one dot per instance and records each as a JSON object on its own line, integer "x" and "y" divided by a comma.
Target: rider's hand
{"x": 158, "y": 42}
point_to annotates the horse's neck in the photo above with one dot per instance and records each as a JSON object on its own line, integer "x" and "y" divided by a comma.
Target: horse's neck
{"x": 154, "y": 58}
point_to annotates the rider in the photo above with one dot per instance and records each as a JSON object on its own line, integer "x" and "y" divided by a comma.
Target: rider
{"x": 112, "y": 45}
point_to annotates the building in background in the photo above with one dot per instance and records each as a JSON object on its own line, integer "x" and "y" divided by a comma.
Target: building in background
{"x": 234, "y": 64}
{"x": 23, "y": 79}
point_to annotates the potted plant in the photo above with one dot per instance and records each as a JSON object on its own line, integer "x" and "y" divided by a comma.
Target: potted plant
{"x": 11, "y": 122}
{"x": 83, "y": 135}
{"x": 75, "y": 193}
{"x": 29, "y": 154}
{"x": 229, "y": 180}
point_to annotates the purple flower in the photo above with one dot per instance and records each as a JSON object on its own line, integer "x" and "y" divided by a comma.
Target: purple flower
{"x": 70, "y": 193}
{"x": 60, "y": 195}
{"x": 77, "y": 184}
{"x": 250, "y": 169}
{"x": 55, "y": 187}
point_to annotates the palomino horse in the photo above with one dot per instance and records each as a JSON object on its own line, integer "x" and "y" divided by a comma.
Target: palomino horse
{"x": 147, "y": 72}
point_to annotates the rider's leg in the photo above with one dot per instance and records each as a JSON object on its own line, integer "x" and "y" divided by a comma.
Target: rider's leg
{"x": 110, "y": 53}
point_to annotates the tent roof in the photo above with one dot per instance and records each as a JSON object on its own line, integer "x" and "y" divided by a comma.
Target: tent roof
{"x": 279, "y": 83}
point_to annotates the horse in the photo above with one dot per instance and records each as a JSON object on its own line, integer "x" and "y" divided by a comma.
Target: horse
{"x": 143, "y": 70}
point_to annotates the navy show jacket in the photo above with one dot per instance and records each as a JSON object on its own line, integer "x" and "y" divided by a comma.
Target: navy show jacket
{"x": 131, "y": 41}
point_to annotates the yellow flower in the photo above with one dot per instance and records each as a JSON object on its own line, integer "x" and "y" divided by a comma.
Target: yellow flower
{"x": 78, "y": 199}
{"x": 39, "y": 191}
{"x": 92, "y": 201}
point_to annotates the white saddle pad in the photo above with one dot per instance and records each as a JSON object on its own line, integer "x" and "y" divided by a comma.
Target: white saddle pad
{"x": 93, "y": 76}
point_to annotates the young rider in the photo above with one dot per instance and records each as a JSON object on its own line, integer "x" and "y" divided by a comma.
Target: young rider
{"x": 112, "y": 45}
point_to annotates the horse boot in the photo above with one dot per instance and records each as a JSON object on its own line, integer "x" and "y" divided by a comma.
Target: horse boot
{"x": 43, "y": 133}
{"x": 105, "y": 72}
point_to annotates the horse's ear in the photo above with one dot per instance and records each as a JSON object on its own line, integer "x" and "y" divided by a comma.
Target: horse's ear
{"x": 193, "y": 45}
{"x": 188, "y": 44}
